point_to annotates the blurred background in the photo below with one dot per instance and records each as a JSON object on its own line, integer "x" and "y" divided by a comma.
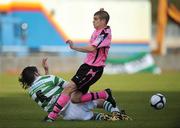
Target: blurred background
{"x": 146, "y": 34}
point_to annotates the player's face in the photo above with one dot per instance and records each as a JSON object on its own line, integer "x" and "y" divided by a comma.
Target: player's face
{"x": 98, "y": 23}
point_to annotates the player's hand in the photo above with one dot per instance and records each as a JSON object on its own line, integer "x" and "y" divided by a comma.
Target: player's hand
{"x": 70, "y": 43}
{"x": 45, "y": 65}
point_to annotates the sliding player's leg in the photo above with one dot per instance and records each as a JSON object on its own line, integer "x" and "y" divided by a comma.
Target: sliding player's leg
{"x": 117, "y": 112}
{"x": 102, "y": 116}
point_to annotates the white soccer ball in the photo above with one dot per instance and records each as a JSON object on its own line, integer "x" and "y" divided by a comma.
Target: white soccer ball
{"x": 158, "y": 101}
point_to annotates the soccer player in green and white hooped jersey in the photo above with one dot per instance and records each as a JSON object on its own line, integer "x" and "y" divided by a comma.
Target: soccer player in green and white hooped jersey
{"x": 46, "y": 89}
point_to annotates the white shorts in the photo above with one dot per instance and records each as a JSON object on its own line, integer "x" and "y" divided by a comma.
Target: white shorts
{"x": 80, "y": 111}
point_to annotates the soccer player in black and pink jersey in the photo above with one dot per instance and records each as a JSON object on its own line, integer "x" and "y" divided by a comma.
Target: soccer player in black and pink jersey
{"x": 92, "y": 69}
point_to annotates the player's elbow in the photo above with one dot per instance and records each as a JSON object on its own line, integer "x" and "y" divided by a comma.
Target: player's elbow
{"x": 91, "y": 49}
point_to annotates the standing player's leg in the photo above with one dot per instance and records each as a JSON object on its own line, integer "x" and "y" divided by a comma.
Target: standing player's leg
{"x": 104, "y": 94}
{"x": 63, "y": 99}
{"x": 84, "y": 78}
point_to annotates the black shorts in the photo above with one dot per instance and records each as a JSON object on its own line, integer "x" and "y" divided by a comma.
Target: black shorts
{"x": 86, "y": 76}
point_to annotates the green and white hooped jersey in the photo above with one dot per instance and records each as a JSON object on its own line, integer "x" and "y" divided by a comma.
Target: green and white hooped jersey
{"x": 45, "y": 90}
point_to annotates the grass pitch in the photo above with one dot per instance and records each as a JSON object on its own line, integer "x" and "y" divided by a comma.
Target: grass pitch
{"x": 132, "y": 93}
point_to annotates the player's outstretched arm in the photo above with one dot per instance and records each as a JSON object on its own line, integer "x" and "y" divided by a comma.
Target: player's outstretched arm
{"x": 85, "y": 49}
{"x": 45, "y": 66}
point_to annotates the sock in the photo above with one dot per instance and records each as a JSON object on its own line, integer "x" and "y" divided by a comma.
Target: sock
{"x": 109, "y": 108}
{"x": 98, "y": 116}
{"x": 93, "y": 96}
{"x": 61, "y": 102}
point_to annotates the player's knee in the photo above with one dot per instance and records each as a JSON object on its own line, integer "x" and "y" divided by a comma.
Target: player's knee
{"x": 69, "y": 89}
{"x": 76, "y": 97}
{"x": 75, "y": 100}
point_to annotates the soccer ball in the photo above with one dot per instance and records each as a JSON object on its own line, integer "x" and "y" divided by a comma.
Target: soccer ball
{"x": 158, "y": 101}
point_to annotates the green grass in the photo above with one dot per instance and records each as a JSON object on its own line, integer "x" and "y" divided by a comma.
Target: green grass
{"x": 132, "y": 93}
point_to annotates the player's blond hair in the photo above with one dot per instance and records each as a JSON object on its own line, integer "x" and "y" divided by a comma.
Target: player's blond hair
{"x": 102, "y": 14}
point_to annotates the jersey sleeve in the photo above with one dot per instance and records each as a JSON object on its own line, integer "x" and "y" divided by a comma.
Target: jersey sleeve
{"x": 56, "y": 80}
{"x": 102, "y": 40}
{"x": 60, "y": 82}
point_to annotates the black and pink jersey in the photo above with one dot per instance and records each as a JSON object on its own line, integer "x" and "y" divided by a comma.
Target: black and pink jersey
{"x": 101, "y": 39}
